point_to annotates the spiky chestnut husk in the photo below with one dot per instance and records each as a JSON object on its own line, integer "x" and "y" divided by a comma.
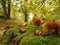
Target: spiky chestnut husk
{"x": 36, "y": 21}
{"x": 58, "y": 29}
{"x": 50, "y": 26}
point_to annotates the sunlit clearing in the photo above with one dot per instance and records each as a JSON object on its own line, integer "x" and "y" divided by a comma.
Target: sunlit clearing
{"x": 52, "y": 9}
{"x": 14, "y": 3}
{"x": 19, "y": 5}
{"x": 20, "y": 14}
{"x": 31, "y": 15}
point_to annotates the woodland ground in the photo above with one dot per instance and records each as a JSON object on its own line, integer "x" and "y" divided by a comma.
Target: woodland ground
{"x": 28, "y": 38}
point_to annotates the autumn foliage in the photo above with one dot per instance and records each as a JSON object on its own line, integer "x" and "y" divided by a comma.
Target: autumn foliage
{"x": 52, "y": 26}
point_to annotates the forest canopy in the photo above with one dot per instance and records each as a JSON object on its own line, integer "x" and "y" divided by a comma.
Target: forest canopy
{"x": 26, "y": 9}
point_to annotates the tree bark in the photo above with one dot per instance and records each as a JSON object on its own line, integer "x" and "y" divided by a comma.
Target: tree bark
{"x": 9, "y": 9}
{"x": 6, "y": 11}
{"x": 4, "y": 8}
{"x": 26, "y": 15}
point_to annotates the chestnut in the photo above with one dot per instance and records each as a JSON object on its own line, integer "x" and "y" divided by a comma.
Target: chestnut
{"x": 24, "y": 23}
{"x": 37, "y": 32}
{"x": 22, "y": 30}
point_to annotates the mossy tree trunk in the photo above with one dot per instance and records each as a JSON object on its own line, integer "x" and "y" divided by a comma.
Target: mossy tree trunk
{"x": 4, "y": 8}
{"x": 9, "y": 9}
{"x": 26, "y": 15}
{"x": 24, "y": 10}
{"x": 6, "y": 11}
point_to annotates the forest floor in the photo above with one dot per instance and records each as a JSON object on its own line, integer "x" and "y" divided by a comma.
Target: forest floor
{"x": 28, "y": 38}
{"x": 4, "y": 23}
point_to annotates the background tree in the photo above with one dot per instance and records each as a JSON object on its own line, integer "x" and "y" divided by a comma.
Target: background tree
{"x": 22, "y": 9}
{"x": 6, "y": 8}
{"x": 9, "y": 9}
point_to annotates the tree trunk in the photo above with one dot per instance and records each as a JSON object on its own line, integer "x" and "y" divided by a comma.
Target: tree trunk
{"x": 4, "y": 8}
{"x": 26, "y": 15}
{"x": 26, "y": 18}
{"x": 9, "y": 9}
{"x": 25, "y": 12}
{"x": 6, "y": 12}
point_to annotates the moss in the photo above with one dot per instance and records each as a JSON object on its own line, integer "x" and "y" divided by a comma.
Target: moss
{"x": 31, "y": 39}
